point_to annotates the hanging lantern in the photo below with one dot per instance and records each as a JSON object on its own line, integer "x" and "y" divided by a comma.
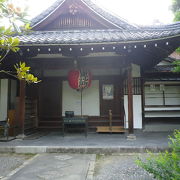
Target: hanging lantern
{"x": 79, "y": 79}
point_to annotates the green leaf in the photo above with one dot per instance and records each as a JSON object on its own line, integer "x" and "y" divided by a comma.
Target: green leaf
{"x": 15, "y": 42}
{"x": 15, "y": 49}
{"x": 8, "y": 31}
{"x": 166, "y": 165}
{"x": 23, "y": 65}
{"x": 2, "y": 29}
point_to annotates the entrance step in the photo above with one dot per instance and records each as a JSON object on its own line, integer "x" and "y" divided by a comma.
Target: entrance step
{"x": 108, "y": 129}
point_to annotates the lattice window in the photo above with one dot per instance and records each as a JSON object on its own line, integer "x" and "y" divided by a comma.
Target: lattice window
{"x": 136, "y": 86}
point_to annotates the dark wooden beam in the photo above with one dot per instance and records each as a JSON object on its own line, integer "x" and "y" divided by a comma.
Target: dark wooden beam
{"x": 143, "y": 100}
{"x": 21, "y": 118}
{"x": 130, "y": 100}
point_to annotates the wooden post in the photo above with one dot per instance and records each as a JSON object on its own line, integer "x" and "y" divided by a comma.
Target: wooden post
{"x": 130, "y": 100}
{"x": 142, "y": 100}
{"x": 110, "y": 120}
{"x": 22, "y": 106}
{"x": 81, "y": 102}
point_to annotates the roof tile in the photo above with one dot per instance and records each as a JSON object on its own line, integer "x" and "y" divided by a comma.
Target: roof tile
{"x": 90, "y": 36}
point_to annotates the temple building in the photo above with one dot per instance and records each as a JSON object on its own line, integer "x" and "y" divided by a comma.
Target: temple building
{"x": 96, "y": 65}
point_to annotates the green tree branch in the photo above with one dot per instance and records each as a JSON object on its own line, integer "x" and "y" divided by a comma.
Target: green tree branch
{"x": 12, "y": 14}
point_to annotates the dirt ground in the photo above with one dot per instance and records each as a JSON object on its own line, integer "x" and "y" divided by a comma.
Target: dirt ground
{"x": 120, "y": 167}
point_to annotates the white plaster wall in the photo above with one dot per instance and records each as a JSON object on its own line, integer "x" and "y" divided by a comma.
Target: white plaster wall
{"x": 71, "y": 100}
{"x": 3, "y": 99}
{"x": 172, "y": 94}
{"x": 155, "y": 98}
{"x": 137, "y": 111}
{"x": 156, "y": 94}
{"x": 13, "y": 93}
{"x": 162, "y": 111}
{"x": 136, "y": 71}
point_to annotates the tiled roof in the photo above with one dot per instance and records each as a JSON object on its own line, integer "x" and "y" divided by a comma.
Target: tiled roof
{"x": 175, "y": 55}
{"x": 119, "y": 22}
{"x": 46, "y": 12}
{"x": 125, "y": 32}
{"x": 163, "y": 68}
{"x": 171, "y": 26}
{"x": 95, "y": 36}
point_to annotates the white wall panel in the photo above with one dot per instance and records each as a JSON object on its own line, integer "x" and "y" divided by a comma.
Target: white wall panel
{"x": 137, "y": 111}
{"x": 13, "y": 94}
{"x": 72, "y": 99}
{"x": 3, "y": 99}
{"x": 136, "y": 71}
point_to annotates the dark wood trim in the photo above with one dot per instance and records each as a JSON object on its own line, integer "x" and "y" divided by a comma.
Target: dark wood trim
{"x": 130, "y": 100}
{"x": 156, "y": 106}
{"x": 160, "y": 110}
{"x": 136, "y": 86}
{"x": 112, "y": 104}
{"x": 54, "y": 122}
{"x": 142, "y": 101}
{"x": 164, "y": 101}
{"x": 9, "y": 94}
{"x": 22, "y": 105}
{"x": 61, "y": 96}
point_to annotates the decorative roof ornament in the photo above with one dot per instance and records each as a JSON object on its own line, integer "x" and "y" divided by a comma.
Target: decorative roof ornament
{"x": 73, "y": 9}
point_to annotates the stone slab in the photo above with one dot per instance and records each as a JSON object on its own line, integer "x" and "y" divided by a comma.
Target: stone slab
{"x": 55, "y": 167}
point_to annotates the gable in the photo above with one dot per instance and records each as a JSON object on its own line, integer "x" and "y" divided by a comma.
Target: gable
{"x": 73, "y": 14}
{"x": 80, "y": 20}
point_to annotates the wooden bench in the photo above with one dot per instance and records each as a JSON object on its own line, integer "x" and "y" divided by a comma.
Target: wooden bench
{"x": 75, "y": 121}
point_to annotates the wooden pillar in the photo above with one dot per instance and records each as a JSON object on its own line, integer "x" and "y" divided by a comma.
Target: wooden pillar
{"x": 22, "y": 106}
{"x": 142, "y": 100}
{"x": 130, "y": 100}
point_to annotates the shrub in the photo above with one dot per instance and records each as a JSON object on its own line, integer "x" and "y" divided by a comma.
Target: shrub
{"x": 165, "y": 165}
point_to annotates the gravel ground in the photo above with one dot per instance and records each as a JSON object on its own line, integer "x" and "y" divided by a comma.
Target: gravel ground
{"x": 9, "y": 162}
{"x": 119, "y": 167}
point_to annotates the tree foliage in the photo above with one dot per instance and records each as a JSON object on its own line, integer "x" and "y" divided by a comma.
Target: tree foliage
{"x": 177, "y": 67}
{"x": 10, "y": 18}
{"x": 164, "y": 166}
{"x": 23, "y": 73}
{"x": 176, "y": 9}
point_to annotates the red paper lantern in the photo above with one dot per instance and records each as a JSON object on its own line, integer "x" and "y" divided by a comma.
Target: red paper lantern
{"x": 79, "y": 79}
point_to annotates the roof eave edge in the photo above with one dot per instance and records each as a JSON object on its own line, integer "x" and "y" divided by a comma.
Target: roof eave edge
{"x": 48, "y": 14}
{"x": 103, "y": 43}
{"x": 101, "y": 15}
